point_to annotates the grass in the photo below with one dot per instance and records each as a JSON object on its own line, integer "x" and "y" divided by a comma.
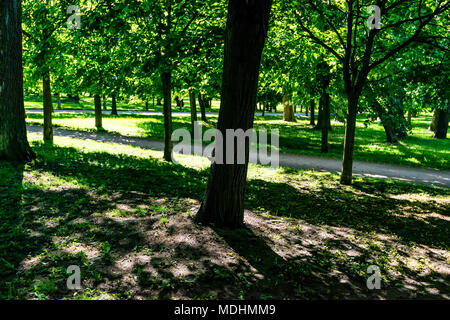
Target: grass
{"x": 87, "y": 103}
{"x": 419, "y": 149}
{"x": 125, "y": 217}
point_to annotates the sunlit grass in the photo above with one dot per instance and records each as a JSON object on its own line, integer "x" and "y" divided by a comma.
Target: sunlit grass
{"x": 419, "y": 149}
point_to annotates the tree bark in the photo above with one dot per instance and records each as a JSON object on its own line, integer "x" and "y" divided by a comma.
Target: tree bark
{"x": 166, "y": 78}
{"x": 442, "y": 124}
{"x": 13, "y": 134}
{"x": 391, "y": 136}
{"x": 113, "y": 104}
{"x": 288, "y": 111}
{"x": 104, "y": 102}
{"x": 349, "y": 141}
{"x": 98, "y": 111}
{"x": 434, "y": 120}
{"x": 325, "y": 122}
{"x": 201, "y": 102}
{"x": 246, "y": 30}
{"x": 193, "y": 106}
{"x": 48, "y": 108}
{"x": 312, "y": 114}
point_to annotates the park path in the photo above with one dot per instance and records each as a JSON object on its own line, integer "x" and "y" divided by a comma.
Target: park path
{"x": 149, "y": 113}
{"x": 435, "y": 177}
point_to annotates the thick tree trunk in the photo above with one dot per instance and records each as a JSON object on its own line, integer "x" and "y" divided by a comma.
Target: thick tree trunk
{"x": 323, "y": 117}
{"x": 391, "y": 136}
{"x": 246, "y": 29}
{"x": 193, "y": 106}
{"x": 166, "y": 78}
{"x": 98, "y": 111}
{"x": 288, "y": 111}
{"x": 113, "y": 104}
{"x": 13, "y": 134}
{"x": 442, "y": 125}
{"x": 201, "y": 102}
{"x": 349, "y": 141}
{"x": 434, "y": 120}
{"x": 312, "y": 114}
{"x": 48, "y": 108}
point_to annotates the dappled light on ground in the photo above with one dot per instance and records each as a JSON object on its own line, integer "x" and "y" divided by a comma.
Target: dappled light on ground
{"x": 127, "y": 221}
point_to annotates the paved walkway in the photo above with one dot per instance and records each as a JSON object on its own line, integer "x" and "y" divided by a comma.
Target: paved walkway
{"x": 426, "y": 176}
{"x": 149, "y": 113}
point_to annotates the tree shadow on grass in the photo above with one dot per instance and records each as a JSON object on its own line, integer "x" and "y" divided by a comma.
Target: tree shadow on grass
{"x": 366, "y": 206}
{"x": 142, "y": 253}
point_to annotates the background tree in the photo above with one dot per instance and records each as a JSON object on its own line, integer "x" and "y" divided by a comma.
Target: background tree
{"x": 341, "y": 28}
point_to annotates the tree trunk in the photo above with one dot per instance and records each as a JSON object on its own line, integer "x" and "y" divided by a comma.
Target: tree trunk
{"x": 325, "y": 123}
{"x": 98, "y": 111}
{"x": 391, "y": 136}
{"x": 59, "y": 100}
{"x": 104, "y": 102}
{"x": 48, "y": 108}
{"x": 166, "y": 78}
{"x": 442, "y": 124}
{"x": 288, "y": 111}
{"x": 434, "y": 120}
{"x": 246, "y": 29}
{"x": 319, "y": 118}
{"x": 264, "y": 107}
{"x": 312, "y": 114}
{"x": 193, "y": 107}
{"x": 201, "y": 102}
{"x": 409, "y": 116}
{"x": 349, "y": 141}
{"x": 113, "y": 104}
{"x": 13, "y": 134}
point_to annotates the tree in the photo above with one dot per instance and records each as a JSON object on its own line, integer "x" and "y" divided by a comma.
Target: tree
{"x": 43, "y": 20}
{"x": 13, "y": 135}
{"x": 442, "y": 124}
{"x": 161, "y": 34}
{"x": 246, "y": 31}
{"x": 341, "y": 28}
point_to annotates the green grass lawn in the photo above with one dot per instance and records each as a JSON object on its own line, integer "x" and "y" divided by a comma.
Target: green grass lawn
{"x": 419, "y": 149}
{"x": 124, "y": 217}
{"x": 87, "y": 103}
